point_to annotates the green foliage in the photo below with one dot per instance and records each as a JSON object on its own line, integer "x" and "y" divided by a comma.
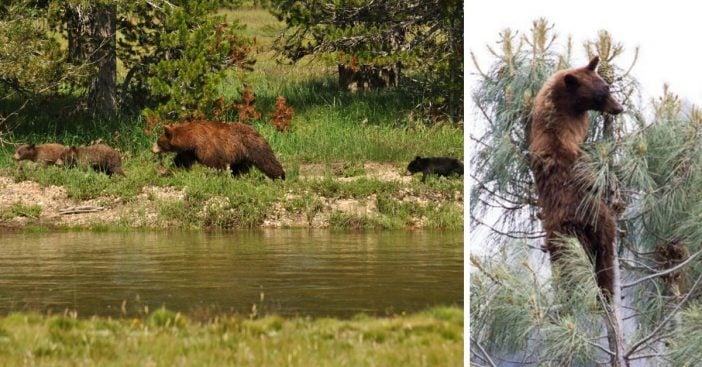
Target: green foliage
{"x": 506, "y": 94}
{"x": 177, "y": 55}
{"x": 686, "y": 342}
{"x": 426, "y": 37}
{"x": 172, "y": 55}
{"x": 514, "y": 313}
{"x": 31, "y": 59}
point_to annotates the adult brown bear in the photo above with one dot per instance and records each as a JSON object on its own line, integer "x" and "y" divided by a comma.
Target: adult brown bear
{"x": 219, "y": 145}
{"x": 559, "y": 126}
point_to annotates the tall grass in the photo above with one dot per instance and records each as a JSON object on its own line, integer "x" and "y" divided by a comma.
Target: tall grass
{"x": 430, "y": 338}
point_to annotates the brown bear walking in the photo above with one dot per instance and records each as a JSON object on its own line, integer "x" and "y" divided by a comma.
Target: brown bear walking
{"x": 219, "y": 145}
{"x": 44, "y": 154}
{"x": 559, "y": 127}
{"x": 100, "y": 157}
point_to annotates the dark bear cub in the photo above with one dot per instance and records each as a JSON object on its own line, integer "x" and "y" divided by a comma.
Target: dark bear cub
{"x": 559, "y": 126}
{"x": 441, "y": 166}
{"x": 236, "y": 147}
{"x": 100, "y": 157}
{"x": 44, "y": 154}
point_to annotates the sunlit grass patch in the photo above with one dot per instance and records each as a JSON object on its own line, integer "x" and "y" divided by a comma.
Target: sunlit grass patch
{"x": 19, "y": 209}
{"x": 430, "y": 338}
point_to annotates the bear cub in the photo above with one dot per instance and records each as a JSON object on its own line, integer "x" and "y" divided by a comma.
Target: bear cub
{"x": 100, "y": 157}
{"x": 441, "y": 166}
{"x": 44, "y": 154}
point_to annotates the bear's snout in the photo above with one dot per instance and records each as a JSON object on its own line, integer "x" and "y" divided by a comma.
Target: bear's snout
{"x": 16, "y": 156}
{"x": 155, "y": 148}
{"x": 613, "y": 106}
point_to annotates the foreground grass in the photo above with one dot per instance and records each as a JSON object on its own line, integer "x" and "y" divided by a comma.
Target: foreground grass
{"x": 430, "y": 338}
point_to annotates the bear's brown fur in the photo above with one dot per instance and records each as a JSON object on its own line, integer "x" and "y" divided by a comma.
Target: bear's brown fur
{"x": 219, "y": 145}
{"x": 100, "y": 157}
{"x": 44, "y": 154}
{"x": 559, "y": 126}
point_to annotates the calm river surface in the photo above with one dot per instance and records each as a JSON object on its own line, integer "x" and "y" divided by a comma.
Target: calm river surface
{"x": 287, "y": 272}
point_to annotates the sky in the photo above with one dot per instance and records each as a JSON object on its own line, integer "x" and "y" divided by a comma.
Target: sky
{"x": 666, "y": 32}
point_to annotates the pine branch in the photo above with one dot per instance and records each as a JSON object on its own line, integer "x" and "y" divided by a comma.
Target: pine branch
{"x": 517, "y": 235}
{"x": 648, "y": 356}
{"x": 647, "y": 339}
{"x": 483, "y": 187}
{"x": 662, "y": 273}
{"x": 485, "y": 356}
{"x": 601, "y": 347}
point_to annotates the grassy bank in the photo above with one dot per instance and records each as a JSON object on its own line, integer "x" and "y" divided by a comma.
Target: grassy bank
{"x": 335, "y": 137}
{"x": 430, "y": 338}
{"x": 321, "y": 196}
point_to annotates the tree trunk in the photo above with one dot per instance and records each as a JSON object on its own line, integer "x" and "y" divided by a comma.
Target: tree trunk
{"x": 102, "y": 92}
{"x": 616, "y": 322}
{"x": 91, "y": 42}
{"x": 455, "y": 93}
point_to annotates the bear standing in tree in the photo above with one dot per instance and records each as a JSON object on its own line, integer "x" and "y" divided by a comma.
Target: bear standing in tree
{"x": 559, "y": 126}
{"x": 236, "y": 146}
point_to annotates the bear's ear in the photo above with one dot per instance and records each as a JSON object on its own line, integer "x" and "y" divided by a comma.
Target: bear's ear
{"x": 417, "y": 158}
{"x": 593, "y": 63}
{"x": 571, "y": 81}
{"x": 168, "y": 131}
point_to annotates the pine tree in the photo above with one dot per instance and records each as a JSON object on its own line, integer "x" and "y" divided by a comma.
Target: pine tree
{"x": 647, "y": 168}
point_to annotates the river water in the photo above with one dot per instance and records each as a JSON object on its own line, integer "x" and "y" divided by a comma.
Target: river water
{"x": 285, "y": 272}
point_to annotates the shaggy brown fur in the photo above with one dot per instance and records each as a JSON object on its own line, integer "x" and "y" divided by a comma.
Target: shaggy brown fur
{"x": 44, "y": 154}
{"x": 100, "y": 157}
{"x": 219, "y": 145}
{"x": 559, "y": 127}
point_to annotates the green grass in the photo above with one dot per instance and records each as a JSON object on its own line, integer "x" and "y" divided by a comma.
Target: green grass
{"x": 430, "y": 338}
{"x": 19, "y": 209}
{"x": 214, "y": 199}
